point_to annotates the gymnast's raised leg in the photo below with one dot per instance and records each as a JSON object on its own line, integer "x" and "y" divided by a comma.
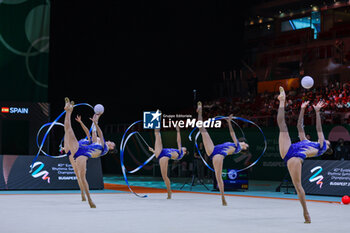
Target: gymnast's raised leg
{"x": 70, "y": 142}
{"x": 163, "y": 161}
{"x": 294, "y": 164}
{"x": 218, "y": 159}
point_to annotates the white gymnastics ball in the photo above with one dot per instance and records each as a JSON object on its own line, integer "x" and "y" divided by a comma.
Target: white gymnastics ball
{"x": 307, "y": 82}
{"x": 99, "y": 109}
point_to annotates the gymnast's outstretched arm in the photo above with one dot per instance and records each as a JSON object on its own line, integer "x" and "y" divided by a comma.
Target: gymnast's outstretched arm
{"x": 86, "y": 130}
{"x": 232, "y": 132}
{"x": 98, "y": 129}
{"x": 178, "y": 138}
{"x": 300, "y": 124}
{"x": 320, "y": 134}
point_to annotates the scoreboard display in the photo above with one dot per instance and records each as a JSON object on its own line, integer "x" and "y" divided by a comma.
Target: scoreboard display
{"x": 233, "y": 180}
{"x": 19, "y": 124}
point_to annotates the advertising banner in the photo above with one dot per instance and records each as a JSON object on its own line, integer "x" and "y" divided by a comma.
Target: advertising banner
{"x": 47, "y": 173}
{"x": 326, "y": 177}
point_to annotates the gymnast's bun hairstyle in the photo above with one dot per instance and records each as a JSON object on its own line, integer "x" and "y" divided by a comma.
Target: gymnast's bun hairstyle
{"x": 242, "y": 139}
{"x": 329, "y": 151}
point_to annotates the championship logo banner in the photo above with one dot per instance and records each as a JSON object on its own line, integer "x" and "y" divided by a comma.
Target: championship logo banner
{"x": 326, "y": 177}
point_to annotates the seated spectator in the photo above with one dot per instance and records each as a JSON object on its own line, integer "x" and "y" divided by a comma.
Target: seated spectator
{"x": 341, "y": 150}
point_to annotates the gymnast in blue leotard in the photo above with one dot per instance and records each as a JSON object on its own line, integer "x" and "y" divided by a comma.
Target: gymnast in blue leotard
{"x": 90, "y": 149}
{"x": 218, "y": 152}
{"x": 294, "y": 154}
{"x": 164, "y": 154}
{"x": 305, "y": 148}
{"x": 80, "y": 151}
{"x": 171, "y": 153}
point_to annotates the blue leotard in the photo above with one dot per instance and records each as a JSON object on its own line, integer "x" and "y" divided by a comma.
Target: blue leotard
{"x": 166, "y": 152}
{"x": 222, "y": 149}
{"x": 298, "y": 149}
{"x": 87, "y": 148}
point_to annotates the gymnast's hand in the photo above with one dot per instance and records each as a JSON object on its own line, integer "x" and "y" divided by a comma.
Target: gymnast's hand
{"x": 151, "y": 149}
{"x": 94, "y": 119}
{"x": 78, "y": 119}
{"x": 319, "y": 105}
{"x": 304, "y": 104}
{"x": 229, "y": 118}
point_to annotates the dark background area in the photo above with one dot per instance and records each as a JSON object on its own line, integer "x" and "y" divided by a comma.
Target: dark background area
{"x": 133, "y": 56}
